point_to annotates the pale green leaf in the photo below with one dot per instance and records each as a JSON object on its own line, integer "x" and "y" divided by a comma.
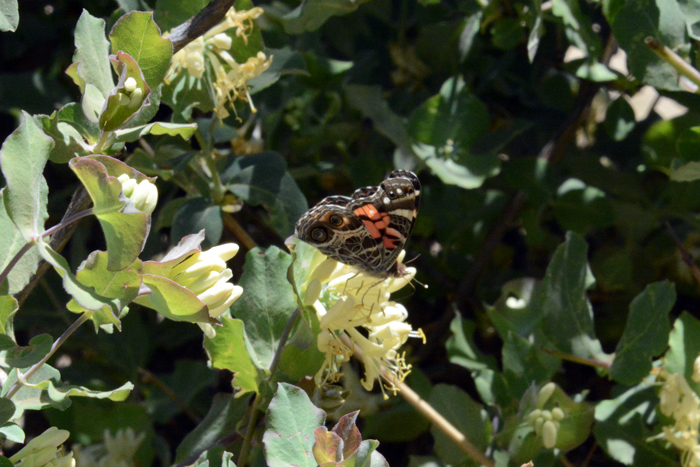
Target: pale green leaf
{"x": 289, "y": 428}
{"x": 9, "y": 15}
{"x": 24, "y": 156}
{"x": 92, "y": 53}
{"x": 227, "y": 351}
{"x": 185, "y": 131}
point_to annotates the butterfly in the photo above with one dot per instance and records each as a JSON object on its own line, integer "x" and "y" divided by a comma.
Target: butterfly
{"x": 369, "y": 229}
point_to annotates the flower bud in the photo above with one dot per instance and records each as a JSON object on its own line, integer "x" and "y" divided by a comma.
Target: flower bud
{"x": 222, "y": 41}
{"x": 532, "y": 416}
{"x": 128, "y": 184}
{"x": 130, "y": 85}
{"x": 145, "y": 197}
{"x": 123, "y": 100}
{"x": 549, "y": 434}
{"x": 557, "y": 414}
{"x": 696, "y": 370}
{"x": 136, "y": 99}
{"x": 545, "y": 393}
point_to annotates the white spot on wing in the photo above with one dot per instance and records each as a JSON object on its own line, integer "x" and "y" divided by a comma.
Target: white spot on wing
{"x": 399, "y": 191}
{"x": 386, "y": 200}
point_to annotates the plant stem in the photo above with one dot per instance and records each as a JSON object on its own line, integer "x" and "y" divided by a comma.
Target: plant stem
{"x": 59, "y": 342}
{"x": 254, "y": 412}
{"x": 29, "y": 245}
{"x": 14, "y": 261}
{"x": 427, "y": 410}
{"x": 673, "y": 59}
{"x": 576, "y": 359}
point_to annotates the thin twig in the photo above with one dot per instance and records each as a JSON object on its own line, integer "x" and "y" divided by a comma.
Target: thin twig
{"x": 427, "y": 410}
{"x": 239, "y": 232}
{"x": 254, "y": 412}
{"x": 203, "y": 21}
{"x": 673, "y": 59}
{"x": 29, "y": 373}
{"x": 149, "y": 377}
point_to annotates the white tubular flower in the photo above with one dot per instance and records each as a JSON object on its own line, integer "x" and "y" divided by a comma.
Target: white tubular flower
{"x": 45, "y": 450}
{"x": 346, "y": 299}
{"x": 143, "y": 196}
{"x": 206, "y": 275}
{"x": 229, "y": 76}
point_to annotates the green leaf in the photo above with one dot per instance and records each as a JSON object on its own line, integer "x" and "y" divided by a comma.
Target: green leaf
{"x": 171, "y": 13}
{"x": 59, "y": 394}
{"x": 70, "y": 130}
{"x": 11, "y": 242}
{"x": 199, "y": 214}
{"x": 24, "y": 156}
{"x": 185, "y": 131}
{"x": 284, "y": 62}
{"x": 289, "y": 428}
{"x": 92, "y": 103}
{"x": 578, "y": 27}
{"x": 172, "y": 300}
{"x": 661, "y": 19}
{"x": 12, "y": 432}
{"x": 684, "y": 347}
{"x": 370, "y": 101}
{"x": 311, "y": 14}
{"x": 507, "y": 33}
{"x": 262, "y": 180}
{"x": 227, "y": 351}
{"x": 185, "y": 92}
{"x": 268, "y": 301}
{"x": 524, "y": 363}
{"x": 8, "y": 308}
{"x": 466, "y": 415}
{"x": 646, "y": 333}
{"x": 9, "y": 15}
{"x": 619, "y": 119}
{"x": 121, "y": 285}
{"x": 621, "y": 429}
{"x": 82, "y": 294}
{"x": 7, "y": 409}
{"x": 536, "y": 29}
{"x": 452, "y": 119}
{"x": 515, "y": 311}
{"x": 29, "y": 397}
{"x": 124, "y": 227}
{"x": 92, "y": 53}
{"x": 461, "y": 349}
{"x": 13, "y": 356}
{"x": 580, "y": 207}
{"x": 468, "y": 176}
{"x": 221, "y": 420}
{"x": 137, "y": 35}
{"x": 567, "y": 318}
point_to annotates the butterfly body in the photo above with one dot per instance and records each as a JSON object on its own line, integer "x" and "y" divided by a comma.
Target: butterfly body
{"x": 369, "y": 229}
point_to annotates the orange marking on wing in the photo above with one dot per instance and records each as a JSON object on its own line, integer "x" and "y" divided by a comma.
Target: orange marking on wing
{"x": 369, "y": 211}
{"x": 373, "y": 231}
{"x": 390, "y": 243}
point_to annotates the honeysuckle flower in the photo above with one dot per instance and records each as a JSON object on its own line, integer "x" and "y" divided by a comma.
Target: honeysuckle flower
{"x": 679, "y": 401}
{"x": 45, "y": 450}
{"x": 546, "y": 422}
{"x": 143, "y": 195}
{"x": 202, "y": 273}
{"x": 346, "y": 299}
{"x": 229, "y": 77}
{"x": 118, "y": 450}
{"x": 206, "y": 275}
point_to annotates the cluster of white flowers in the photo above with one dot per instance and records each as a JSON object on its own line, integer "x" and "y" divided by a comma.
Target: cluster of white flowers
{"x": 679, "y": 401}
{"x": 345, "y": 300}
{"x": 230, "y": 77}
{"x": 546, "y": 422}
{"x": 45, "y": 450}
{"x": 144, "y": 195}
{"x": 116, "y": 451}
{"x": 206, "y": 275}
